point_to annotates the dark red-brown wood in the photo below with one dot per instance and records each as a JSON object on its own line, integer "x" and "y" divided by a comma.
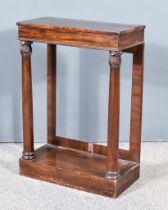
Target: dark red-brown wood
{"x": 78, "y": 169}
{"x": 51, "y": 91}
{"x": 109, "y": 36}
{"x": 88, "y": 147}
{"x": 113, "y": 116}
{"x": 27, "y": 101}
{"x": 105, "y": 170}
{"x": 136, "y": 103}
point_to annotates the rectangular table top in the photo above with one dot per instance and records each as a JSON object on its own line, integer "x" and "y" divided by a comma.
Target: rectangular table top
{"x": 81, "y": 33}
{"x": 80, "y": 25}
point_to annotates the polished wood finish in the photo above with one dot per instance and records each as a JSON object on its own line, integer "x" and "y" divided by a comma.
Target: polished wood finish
{"x": 27, "y": 102}
{"x": 107, "y": 36}
{"x": 113, "y": 116}
{"x": 136, "y": 103}
{"x": 51, "y": 91}
{"x": 80, "y": 25}
{"x": 78, "y": 169}
{"x": 105, "y": 170}
{"x": 88, "y": 147}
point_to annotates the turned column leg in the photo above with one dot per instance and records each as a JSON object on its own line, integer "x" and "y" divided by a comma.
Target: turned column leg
{"x": 136, "y": 103}
{"x": 51, "y": 92}
{"x": 27, "y": 101}
{"x": 113, "y": 116}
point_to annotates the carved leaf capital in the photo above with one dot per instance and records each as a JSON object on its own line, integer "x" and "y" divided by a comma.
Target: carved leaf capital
{"x": 25, "y": 48}
{"x": 115, "y": 59}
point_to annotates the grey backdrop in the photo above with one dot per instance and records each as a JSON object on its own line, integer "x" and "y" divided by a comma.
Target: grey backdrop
{"x": 82, "y": 73}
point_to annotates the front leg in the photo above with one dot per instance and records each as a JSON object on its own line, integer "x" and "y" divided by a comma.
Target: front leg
{"x": 113, "y": 116}
{"x": 27, "y": 101}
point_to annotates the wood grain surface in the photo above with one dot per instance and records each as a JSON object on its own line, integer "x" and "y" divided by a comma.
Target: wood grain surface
{"x": 99, "y": 35}
{"x": 105, "y": 170}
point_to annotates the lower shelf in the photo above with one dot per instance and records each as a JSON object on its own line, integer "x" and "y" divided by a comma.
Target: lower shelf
{"x": 78, "y": 169}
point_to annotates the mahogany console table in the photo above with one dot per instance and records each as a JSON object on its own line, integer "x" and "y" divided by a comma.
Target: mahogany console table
{"x": 78, "y": 164}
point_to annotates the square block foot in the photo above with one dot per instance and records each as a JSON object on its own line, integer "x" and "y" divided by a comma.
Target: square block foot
{"x": 78, "y": 169}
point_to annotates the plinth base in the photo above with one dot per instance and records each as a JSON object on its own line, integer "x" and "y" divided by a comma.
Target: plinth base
{"x": 78, "y": 169}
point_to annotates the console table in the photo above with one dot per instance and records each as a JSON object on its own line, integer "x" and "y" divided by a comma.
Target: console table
{"x": 79, "y": 164}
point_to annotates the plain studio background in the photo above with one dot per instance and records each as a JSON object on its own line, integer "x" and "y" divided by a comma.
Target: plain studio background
{"x": 83, "y": 74}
